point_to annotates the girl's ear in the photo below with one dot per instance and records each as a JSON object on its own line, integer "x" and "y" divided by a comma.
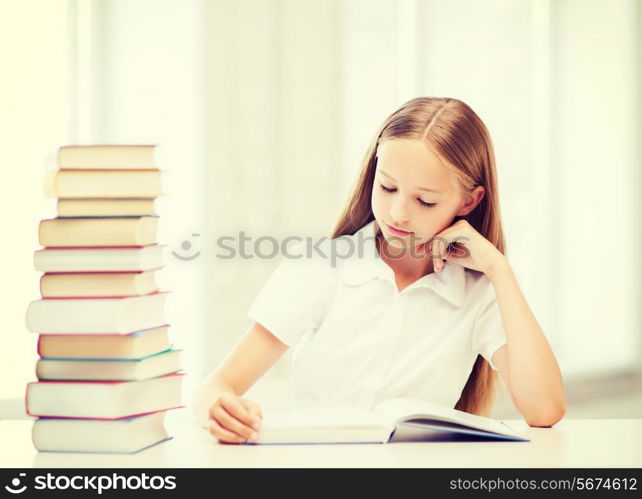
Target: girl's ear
{"x": 472, "y": 199}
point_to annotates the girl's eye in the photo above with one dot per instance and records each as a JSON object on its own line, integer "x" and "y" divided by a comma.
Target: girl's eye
{"x": 423, "y": 203}
{"x": 427, "y": 205}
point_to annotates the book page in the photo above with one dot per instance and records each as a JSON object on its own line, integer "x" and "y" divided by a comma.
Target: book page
{"x": 401, "y": 409}
{"x": 325, "y": 417}
{"x": 334, "y": 424}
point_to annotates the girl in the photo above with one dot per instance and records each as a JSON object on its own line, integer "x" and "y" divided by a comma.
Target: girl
{"x": 432, "y": 311}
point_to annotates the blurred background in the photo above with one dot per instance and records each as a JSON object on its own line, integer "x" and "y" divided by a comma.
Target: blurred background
{"x": 264, "y": 110}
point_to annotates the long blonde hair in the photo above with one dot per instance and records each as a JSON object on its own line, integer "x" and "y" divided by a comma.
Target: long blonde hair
{"x": 452, "y": 129}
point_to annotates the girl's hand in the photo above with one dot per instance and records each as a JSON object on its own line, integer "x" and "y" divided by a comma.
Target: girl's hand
{"x": 234, "y": 420}
{"x": 471, "y": 249}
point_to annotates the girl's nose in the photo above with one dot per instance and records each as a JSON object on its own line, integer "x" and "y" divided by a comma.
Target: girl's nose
{"x": 399, "y": 213}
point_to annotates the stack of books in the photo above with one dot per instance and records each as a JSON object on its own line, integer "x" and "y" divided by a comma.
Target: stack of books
{"x": 107, "y": 372}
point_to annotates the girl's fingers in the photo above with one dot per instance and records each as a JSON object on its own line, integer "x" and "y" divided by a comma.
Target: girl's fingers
{"x": 434, "y": 248}
{"x": 254, "y": 410}
{"x": 230, "y": 423}
{"x": 237, "y": 408}
{"x": 436, "y": 255}
{"x": 222, "y": 434}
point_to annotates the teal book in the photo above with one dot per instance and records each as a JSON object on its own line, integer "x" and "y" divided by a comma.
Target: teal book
{"x": 109, "y": 369}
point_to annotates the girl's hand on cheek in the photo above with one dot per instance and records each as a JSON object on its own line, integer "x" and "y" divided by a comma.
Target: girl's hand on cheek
{"x": 470, "y": 250}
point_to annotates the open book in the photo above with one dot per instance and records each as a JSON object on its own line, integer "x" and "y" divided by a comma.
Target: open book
{"x": 397, "y": 419}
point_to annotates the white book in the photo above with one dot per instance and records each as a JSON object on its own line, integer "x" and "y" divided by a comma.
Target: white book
{"x": 98, "y": 231}
{"x": 96, "y": 315}
{"x": 97, "y": 284}
{"x": 106, "y": 369}
{"x": 113, "y": 346}
{"x": 113, "y": 207}
{"x": 397, "y": 419}
{"x": 108, "y": 156}
{"x": 99, "y": 259}
{"x": 127, "y": 435}
{"x": 103, "y": 399}
{"x": 100, "y": 184}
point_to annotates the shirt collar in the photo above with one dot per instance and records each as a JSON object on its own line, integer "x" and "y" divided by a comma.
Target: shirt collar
{"x": 366, "y": 264}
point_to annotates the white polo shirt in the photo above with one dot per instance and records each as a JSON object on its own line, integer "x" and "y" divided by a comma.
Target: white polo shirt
{"x": 358, "y": 340}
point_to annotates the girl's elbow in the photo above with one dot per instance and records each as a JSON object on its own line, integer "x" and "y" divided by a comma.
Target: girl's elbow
{"x": 547, "y": 418}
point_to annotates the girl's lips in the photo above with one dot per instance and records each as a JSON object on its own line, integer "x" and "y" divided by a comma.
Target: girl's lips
{"x": 397, "y": 231}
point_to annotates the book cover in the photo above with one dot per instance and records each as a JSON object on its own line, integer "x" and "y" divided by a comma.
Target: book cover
{"x": 113, "y": 207}
{"x": 135, "y": 344}
{"x": 98, "y": 232}
{"x": 64, "y": 184}
{"x": 97, "y": 284}
{"x": 105, "y": 369}
{"x": 107, "y": 156}
{"x": 113, "y": 315}
{"x": 121, "y": 436}
{"x": 103, "y": 399}
{"x": 99, "y": 259}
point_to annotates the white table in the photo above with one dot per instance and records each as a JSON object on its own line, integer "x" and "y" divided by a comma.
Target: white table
{"x": 581, "y": 443}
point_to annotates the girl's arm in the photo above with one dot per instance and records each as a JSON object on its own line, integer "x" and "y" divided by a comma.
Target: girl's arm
{"x": 526, "y": 361}
{"x": 256, "y": 351}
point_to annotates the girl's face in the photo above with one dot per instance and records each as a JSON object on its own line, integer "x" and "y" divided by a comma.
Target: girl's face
{"x": 413, "y": 191}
